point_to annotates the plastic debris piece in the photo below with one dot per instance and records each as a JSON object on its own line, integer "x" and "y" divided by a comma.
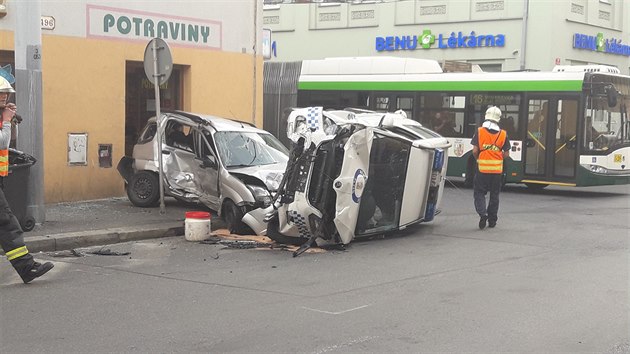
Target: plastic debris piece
{"x": 108, "y": 252}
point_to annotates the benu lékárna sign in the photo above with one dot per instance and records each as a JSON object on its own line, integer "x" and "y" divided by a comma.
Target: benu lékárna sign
{"x": 107, "y": 22}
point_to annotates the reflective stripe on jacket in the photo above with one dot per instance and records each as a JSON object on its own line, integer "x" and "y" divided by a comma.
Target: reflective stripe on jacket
{"x": 490, "y": 150}
{"x": 4, "y": 163}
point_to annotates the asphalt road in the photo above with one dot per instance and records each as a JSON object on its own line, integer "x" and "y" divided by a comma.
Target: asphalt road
{"x": 551, "y": 277}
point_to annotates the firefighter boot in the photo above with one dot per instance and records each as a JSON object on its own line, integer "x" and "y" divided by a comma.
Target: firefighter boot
{"x": 36, "y": 271}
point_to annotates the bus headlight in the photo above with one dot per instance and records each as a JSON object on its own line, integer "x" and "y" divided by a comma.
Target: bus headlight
{"x": 597, "y": 169}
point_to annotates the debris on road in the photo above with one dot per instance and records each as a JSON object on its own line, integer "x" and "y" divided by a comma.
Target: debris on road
{"x": 225, "y": 238}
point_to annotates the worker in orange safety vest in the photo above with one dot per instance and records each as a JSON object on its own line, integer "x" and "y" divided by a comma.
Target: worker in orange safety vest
{"x": 490, "y": 147}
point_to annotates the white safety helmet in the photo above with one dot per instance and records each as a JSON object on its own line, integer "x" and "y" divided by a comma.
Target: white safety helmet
{"x": 493, "y": 114}
{"x": 5, "y": 87}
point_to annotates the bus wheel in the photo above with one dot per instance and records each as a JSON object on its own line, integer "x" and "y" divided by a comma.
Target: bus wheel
{"x": 536, "y": 186}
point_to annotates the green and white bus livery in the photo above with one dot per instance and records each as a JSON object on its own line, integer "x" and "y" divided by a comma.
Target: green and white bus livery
{"x": 568, "y": 127}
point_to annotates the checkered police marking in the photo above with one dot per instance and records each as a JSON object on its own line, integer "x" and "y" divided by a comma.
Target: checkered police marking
{"x": 313, "y": 117}
{"x": 299, "y": 221}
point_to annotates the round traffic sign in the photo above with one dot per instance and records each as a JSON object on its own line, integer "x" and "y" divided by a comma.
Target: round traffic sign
{"x": 164, "y": 60}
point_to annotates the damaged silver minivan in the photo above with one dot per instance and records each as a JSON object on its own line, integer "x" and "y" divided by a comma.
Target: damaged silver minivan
{"x": 354, "y": 173}
{"x": 230, "y": 166}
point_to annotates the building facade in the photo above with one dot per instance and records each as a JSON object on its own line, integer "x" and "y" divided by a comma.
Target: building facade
{"x": 96, "y": 96}
{"x": 498, "y": 35}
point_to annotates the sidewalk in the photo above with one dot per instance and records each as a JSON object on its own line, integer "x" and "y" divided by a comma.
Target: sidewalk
{"x": 106, "y": 221}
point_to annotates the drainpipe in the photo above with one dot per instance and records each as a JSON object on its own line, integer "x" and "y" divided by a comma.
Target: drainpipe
{"x": 255, "y": 60}
{"x": 524, "y": 33}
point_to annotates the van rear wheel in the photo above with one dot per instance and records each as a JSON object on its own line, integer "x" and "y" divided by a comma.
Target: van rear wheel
{"x": 144, "y": 189}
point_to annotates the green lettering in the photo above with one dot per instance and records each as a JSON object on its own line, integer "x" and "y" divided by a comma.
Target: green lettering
{"x": 162, "y": 30}
{"x": 205, "y": 32}
{"x": 148, "y": 29}
{"x": 174, "y": 27}
{"x": 123, "y": 24}
{"x": 137, "y": 23}
{"x": 108, "y": 22}
{"x": 193, "y": 33}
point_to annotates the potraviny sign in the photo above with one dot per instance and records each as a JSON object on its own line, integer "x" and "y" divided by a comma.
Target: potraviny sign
{"x": 113, "y": 23}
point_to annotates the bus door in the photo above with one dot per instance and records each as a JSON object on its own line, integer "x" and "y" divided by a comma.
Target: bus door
{"x": 550, "y": 152}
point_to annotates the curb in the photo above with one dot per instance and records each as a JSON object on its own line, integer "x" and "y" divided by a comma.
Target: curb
{"x": 71, "y": 240}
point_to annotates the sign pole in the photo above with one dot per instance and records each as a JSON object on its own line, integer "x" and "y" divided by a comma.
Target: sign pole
{"x": 158, "y": 68}
{"x": 158, "y": 114}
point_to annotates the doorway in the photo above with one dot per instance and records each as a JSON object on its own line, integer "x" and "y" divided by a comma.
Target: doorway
{"x": 140, "y": 99}
{"x": 550, "y": 145}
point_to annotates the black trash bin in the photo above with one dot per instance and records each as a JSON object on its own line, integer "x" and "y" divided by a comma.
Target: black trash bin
{"x": 16, "y": 186}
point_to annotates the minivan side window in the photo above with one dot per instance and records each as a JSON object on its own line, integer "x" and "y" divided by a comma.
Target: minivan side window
{"x": 179, "y": 135}
{"x": 148, "y": 133}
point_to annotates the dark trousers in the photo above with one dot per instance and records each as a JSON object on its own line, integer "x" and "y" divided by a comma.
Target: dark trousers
{"x": 484, "y": 183}
{"x": 11, "y": 238}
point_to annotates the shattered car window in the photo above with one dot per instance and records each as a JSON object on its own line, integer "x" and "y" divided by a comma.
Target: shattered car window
{"x": 382, "y": 198}
{"x": 147, "y": 134}
{"x": 241, "y": 149}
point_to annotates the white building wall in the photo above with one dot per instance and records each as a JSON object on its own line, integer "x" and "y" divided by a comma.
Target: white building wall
{"x": 314, "y": 31}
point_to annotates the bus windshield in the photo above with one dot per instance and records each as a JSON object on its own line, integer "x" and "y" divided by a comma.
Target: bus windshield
{"x": 606, "y": 127}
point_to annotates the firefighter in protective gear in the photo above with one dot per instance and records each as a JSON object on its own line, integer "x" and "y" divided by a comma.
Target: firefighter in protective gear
{"x": 490, "y": 147}
{"x": 11, "y": 239}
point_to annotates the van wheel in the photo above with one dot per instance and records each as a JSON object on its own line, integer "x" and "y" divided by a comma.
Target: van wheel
{"x": 233, "y": 215}
{"x": 144, "y": 189}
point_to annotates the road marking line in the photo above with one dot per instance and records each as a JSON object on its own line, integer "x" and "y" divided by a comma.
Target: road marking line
{"x": 335, "y": 313}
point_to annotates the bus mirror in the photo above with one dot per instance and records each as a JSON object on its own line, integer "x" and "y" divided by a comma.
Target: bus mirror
{"x": 611, "y": 94}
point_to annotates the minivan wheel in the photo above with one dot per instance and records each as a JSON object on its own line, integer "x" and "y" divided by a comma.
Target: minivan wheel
{"x": 233, "y": 215}
{"x": 144, "y": 189}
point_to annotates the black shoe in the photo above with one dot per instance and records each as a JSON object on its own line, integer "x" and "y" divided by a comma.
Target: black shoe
{"x": 482, "y": 222}
{"x": 36, "y": 271}
{"x": 492, "y": 223}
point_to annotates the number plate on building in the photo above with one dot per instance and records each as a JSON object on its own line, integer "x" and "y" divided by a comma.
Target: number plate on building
{"x": 48, "y": 22}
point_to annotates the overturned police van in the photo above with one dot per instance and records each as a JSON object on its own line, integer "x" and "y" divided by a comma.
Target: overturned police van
{"x": 353, "y": 173}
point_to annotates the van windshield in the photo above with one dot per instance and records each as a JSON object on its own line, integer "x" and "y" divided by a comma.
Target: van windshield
{"x": 243, "y": 149}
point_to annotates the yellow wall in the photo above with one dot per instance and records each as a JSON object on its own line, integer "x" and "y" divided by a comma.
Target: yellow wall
{"x": 84, "y": 92}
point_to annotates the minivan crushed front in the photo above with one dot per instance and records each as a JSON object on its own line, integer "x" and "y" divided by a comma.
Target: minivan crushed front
{"x": 354, "y": 174}
{"x": 230, "y": 166}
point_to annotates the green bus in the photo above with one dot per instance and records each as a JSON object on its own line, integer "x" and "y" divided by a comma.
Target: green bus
{"x": 567, "y": 127}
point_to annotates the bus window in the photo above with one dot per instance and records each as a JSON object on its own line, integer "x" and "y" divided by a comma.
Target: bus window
{"x": 538, "y": 112}
{"x": 406, "y": 104}
{"x": 381, "y": 103}
{"x": 566, "y": 124}
{"x": 443, "y": 113}
{"x": 509, "y": 123}
{"x": 606, "y": 127}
